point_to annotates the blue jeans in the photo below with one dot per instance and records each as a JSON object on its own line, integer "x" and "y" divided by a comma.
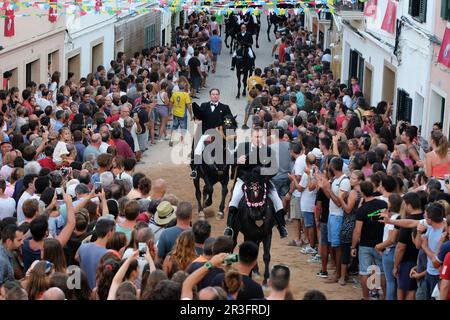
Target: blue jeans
{"x": 388, "y": 265}
{"x": 430, "y": 282}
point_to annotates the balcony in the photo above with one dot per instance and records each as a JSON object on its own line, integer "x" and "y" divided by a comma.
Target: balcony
{"x": 350, "y": 9}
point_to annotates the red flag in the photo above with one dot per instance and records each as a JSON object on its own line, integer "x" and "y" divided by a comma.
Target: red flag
{"x": 9, "y": 23}
{"x": 390, "y": 17}
{"x": 370, "y": 10}
{"x": 98, "y": 5}
{"x": 444, "y": 54}
{"x": 53, "y": 12}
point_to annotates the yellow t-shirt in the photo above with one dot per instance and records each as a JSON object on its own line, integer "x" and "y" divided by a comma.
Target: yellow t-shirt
{"x": 251, "y": 82}
{"x": 179, "y": 101}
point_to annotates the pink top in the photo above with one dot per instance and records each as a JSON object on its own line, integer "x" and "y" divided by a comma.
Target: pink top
{"x": 440, "y": 170}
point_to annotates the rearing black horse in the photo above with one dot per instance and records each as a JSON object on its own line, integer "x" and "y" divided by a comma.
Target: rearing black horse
{"x": 231, "y": 30}
{"x": 253, "y": 27}
{"x": 245, "y": 65}
{"x": 217, "y": 171}
{"x": 255, "y": 218}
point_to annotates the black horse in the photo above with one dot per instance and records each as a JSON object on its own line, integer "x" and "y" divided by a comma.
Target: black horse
{"x": 217, "y": 171}
{"x": 252, "y": 27}
{"x": 255, "y": 218}
{"x": 245, "y": 65}
{"x": 231, "y": 30}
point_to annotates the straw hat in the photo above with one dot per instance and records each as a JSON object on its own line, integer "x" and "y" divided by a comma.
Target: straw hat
{"x": 165, "y": 213}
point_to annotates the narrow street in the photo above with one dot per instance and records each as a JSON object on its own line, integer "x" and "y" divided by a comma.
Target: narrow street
{"x": 171, "y": 164}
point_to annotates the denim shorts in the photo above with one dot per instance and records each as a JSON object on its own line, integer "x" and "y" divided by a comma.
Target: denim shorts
{"x": 369, "y": 257}
{"x": 196, "y": 81}
{"x": 295, "y": 212}
{"x": 309, "y": 219}
{"x": 162, "y": 110}
{"x": 334, "y": 229}
{"x": 324, "y": 234}
{"x": 179, "y": 122}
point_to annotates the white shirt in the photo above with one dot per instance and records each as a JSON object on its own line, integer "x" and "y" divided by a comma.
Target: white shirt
{"x": 340, "y": 184}
{"x": 326, "y": 57}
{"x": 25, "y": 196}
{"x": 389, "y": 227}
{"x": 308, "y": 199}
{"x": 299, "y": 168}
{"x": 347, "y": 101}
{"x": 8, "y": 206}
{"x": 60, "y": 149}
{"x": 103, "y": 147}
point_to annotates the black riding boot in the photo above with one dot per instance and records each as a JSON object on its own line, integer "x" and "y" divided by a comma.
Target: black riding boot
{"x": 279, "y": 218}
{"x": 232, "y": 212}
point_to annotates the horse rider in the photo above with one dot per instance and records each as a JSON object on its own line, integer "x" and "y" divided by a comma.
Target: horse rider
{"x": 238, "y": 54}
{"x": 244, "y": 36}
{"x": 212, "y": 114}
{"x": 256, "y": 155}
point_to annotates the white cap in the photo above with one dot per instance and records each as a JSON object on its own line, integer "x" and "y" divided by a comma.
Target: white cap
{"x": 317, "y": 153}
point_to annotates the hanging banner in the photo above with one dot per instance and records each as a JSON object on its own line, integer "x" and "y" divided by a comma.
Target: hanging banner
{"x": 9, "y": 23}
{"x": 444, "y": 54}
{"x": 370, "y": 9}
{"x": 390, "y": 17}
{"x": 53, "y": 11}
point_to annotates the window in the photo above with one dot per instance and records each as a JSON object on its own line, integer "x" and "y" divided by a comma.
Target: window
{"x": 97, "y": 56}
{"x": 445, "y": 9}
{"x": 150, "y": 36}
{"x": 418, "y": 10}
{"x": 32, "y": 71}
{"x": 404, "y": 106}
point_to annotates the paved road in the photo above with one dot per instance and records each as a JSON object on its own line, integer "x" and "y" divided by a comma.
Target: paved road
{"x": 224, "y": 79}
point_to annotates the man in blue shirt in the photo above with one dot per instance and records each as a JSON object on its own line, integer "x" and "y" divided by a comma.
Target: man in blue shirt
{"x": 215, "y": 44}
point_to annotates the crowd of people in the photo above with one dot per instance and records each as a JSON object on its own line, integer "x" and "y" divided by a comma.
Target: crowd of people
{"x": 79, "y": 222}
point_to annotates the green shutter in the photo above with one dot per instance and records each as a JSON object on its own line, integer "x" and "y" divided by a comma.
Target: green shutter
{"x": 445, "y": 9}
{"x": 150, "y": 36}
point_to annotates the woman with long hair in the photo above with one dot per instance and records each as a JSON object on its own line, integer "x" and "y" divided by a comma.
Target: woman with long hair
{"x": 37, "y": 279}
{"x": 350, "y": 205}
{"x": 54, "y": 253}
{"x": 182, "y": 255}
{"x": 162, "y": 109}
{"x": 437, "y": 161}
{"x": 107, "y": 267}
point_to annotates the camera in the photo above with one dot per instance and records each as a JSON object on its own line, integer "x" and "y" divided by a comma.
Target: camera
{"x": 98, "y": 187}
{"x": 59, "y": 194}
{"x": 231, "y": 258}
{"x": 89, "y": 126}
{"x": 142, "y": 247}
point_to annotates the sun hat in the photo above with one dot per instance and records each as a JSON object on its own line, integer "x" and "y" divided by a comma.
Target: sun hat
{"x": 165, "y": 213}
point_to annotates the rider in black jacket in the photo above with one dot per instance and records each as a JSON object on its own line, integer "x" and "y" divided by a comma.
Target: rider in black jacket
{"x": 251, "y": 156}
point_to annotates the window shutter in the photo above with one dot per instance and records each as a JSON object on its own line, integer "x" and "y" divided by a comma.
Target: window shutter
{"x": 410, "y": 7}
{"x": 146, "y": 37}
{"x": 408, "y": 109}
{"x": 445, "y": 9}
{"x": 423, "y": 11}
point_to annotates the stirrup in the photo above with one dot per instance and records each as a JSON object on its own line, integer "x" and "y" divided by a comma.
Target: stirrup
{"x": 194, "y": 174}
{"x": 227, "y": 231}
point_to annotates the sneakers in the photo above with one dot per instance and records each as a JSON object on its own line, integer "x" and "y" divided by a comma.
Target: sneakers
{"x": 245, "y": 127}
{"x": 308, "y": 250}
{"x": 315, "y": 259}
{"x": 322, "y": 274}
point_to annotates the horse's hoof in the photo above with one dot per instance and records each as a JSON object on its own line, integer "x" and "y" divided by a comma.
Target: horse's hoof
{"x": 227, "y": 46}
{"x": 244, "y": 93}
{"x": 201, "y": 215}
{"x": 220, "y": 215}
{"x": 238, "y": 96}
{"x": 257, "y": 46}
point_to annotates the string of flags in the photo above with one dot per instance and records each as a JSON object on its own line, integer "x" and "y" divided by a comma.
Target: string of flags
{"x": 55, "y": 8}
